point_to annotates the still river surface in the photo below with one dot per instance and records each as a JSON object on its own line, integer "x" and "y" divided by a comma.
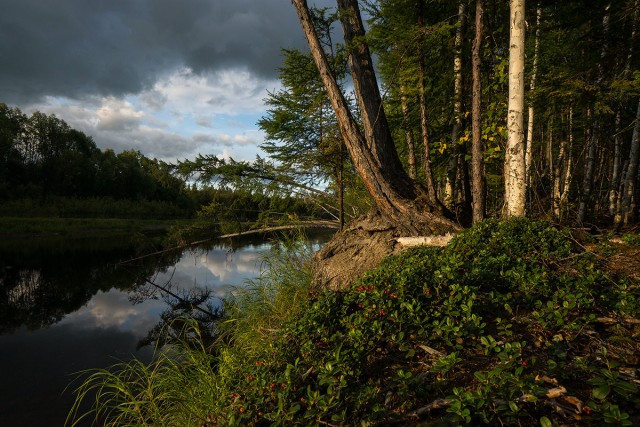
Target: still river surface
{"x": 70, "y": 306}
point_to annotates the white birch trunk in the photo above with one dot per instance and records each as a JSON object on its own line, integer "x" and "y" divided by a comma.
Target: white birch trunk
{"x": 515, "y": 183}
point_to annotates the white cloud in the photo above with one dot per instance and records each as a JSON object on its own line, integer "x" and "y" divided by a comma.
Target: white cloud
{"x": 118, "y": 115}
{"x": 224, "y": 92}
{"x": 184, "y": 114}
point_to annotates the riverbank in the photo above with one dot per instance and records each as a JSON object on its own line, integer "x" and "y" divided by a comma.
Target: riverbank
{"x": 513, "y": 323}
{"x": 19, "y": 227}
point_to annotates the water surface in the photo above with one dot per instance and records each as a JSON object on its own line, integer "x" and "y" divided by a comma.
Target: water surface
{"x": 81, "y": 306}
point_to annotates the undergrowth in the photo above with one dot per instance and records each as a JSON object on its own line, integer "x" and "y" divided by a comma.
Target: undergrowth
{"x": 513, "y": 323}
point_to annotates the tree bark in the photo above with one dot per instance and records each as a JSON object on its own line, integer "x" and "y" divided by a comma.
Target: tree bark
{"x": 450, "y": 186}
{"x": 372, "y": 150}
{"x": 424, "y": 122}
{"x": 629, "y": 189}
{"x": 528, "y": 158}
{"x": 593, "y": 142}
{"x": 408, "y": 134}
{"x": 515, "y": 183}
{"x": 587, "y": 180}
{"x": 477, "y": 146}
{"x": 614, "y": 182}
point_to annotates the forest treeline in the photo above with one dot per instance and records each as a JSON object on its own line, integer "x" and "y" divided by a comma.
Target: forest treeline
{"x": 443, "y": 70}
{"x": 47, "y": 168}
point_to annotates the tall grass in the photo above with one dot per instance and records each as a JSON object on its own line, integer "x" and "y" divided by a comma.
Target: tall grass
{"x": 184, "y": 383}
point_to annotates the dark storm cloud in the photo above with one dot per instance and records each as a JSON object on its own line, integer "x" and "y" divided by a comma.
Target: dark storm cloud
{"x": 76, "y": 48}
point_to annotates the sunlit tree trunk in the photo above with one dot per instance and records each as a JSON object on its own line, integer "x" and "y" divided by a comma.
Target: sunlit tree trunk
{"x": 450, "y": 187}
{"x": 477, "y": 146}
{"x": 515, "y": 183}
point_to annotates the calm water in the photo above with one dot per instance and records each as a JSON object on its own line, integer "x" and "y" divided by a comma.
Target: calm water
{"x": 66, "y": 308}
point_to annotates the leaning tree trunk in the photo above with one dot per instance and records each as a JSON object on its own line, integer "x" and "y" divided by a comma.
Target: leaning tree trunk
{"x": 372, "y": 150}
{"x": 477, "y": 147}
{"x": 514, "y": 166}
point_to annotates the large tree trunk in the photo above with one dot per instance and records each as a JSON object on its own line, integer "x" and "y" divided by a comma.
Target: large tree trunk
{"x": 477, "y": 147}
{"x": 372, "y": 150}
{"x": 450, "y": 186}
{"x": 514, "y": 170}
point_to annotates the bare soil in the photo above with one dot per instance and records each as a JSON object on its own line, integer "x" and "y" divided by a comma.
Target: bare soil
{"x": 359, "y": 248}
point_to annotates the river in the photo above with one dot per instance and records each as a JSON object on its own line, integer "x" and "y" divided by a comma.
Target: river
{"x": 71, "y": 306}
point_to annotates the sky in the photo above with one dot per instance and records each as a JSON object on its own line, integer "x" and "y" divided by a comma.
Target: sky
{"x": 170, "y": 78}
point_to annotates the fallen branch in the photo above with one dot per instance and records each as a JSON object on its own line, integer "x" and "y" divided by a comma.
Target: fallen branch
{"x": 306, "y": 224}
{"x": 611, "y": 320}
{"x": 431, "y": 351}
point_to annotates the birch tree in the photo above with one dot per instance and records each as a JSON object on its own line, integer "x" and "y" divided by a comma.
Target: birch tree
{"x": 514, "y": 167}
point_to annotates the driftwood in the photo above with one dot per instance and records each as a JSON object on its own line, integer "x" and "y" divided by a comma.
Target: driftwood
{"x": 439, "y": 240}
{"x": 304, "y": 224}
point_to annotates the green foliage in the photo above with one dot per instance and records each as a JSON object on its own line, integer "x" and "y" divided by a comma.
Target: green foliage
{"x": 475, "y": 333}
{"x": 631, "y": 239}
{"x": 42, "y": 159}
